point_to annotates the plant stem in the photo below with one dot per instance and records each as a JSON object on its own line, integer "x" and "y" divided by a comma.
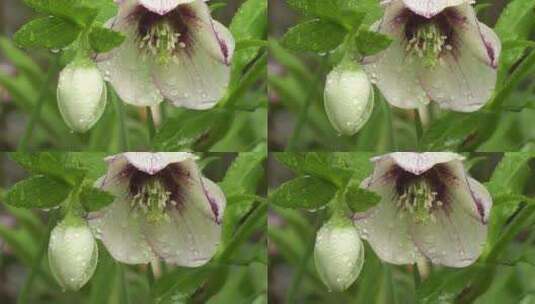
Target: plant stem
{"x": 248, "y": 226}
{"x": 418, "y": 127}
{"x": 150, "y": 123}
{"x": 119, "y": 109}
{"x": 124, "y": 299}
{"x": 41, "y": 98}
{"x": 301, "y": 119}
{"x": 23, "y": 296}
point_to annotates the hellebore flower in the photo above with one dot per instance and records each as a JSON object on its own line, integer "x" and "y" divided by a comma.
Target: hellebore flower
{"x": 338, "y": 254}
{"x": 81, "y": 95}
{"x": 430, "y": 207}
{"x": 440, "y": 52}
{"x": 348, "y": 98}
{"x": 72, "y": 253}
{"x": 164, "y": 208}
{"x": 173, "y": 50}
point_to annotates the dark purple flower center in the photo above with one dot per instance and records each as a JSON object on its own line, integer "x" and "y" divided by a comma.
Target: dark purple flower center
{"x": 154, "y": 194}
{"x": 422, "y": 194}
{"x": 163, "y": 35}
{"x": 429, "y": 38}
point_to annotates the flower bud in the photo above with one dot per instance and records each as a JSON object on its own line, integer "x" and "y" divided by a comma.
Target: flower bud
{"x": 72, "y": 253}
{"x": 338, "y": 254}
{"x": 348, "y": 98}
{"x": 81, "y": 95}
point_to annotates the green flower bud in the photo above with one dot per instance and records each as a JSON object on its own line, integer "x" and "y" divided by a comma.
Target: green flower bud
{"x": 72, "y": 253}
{"x": 81, "y": 95}
{"x": 348, "y": 98}
{"x": 338, "y": 254}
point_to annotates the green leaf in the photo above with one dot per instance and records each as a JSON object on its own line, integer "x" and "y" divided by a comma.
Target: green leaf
{"x": 509, "y": 23}
{"x": 509, "y": 168}
{"x": 453, "y": 130}
{"x": 104, "y": 40}
{"x": 315, "y": 35}
{"x": 239, "y": 173}
{"x": 337, "y": 10}
{"x": 199, "y": 129}
{"x": 249, "y": 22}
{"x": 53, "y": 164}
{"x": 370, "y": 43}
{"x": 318, "y": 164}
{"x": 107, "y": 9}
{"x": 358, "y": 199}
{"x": 37, "y": 192}
{"x": 94, "y": 199}
{"x": 67, "y": 9}
{"x": 306, "y": 192}
{"x": 49, "y": 32}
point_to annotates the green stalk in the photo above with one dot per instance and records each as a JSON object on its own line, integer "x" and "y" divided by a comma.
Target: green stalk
{"x": 303, "y": 114}
{"x": 124, "y": 299}
{"x": 119, "y": 109}
{"x": 150, "y": 123}
{"x": 26, "y": 288}
{"x": 41, "y": 98}
{"x": 419, "y": 128}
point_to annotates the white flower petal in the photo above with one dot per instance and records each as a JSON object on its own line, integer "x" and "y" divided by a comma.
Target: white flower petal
{"x": 119, "y": 228}
{"x": 392, "y": 70}
{"x": 152, "y": 163}
{"x": 128, "y": 69}
{"x": 387, "y": 232}
{"x": 162, "y": 7}
{"x": 456, "y": 239}
{"x": 191, "y": 237}
{"x": 418, "y": 163}
{"x": 460, "y": 81}
{"x": 195, "y": 80}
{"x": 430, "y": 8}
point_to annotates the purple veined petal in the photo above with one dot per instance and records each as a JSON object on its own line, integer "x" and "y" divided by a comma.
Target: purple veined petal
{"x": 470, "y": 33}
{"x": 119, "y": 228}
{"x": 216, "y": 198}
{"x": 455, "y": 239}
{"x": 430, "y": 8}
{"x": 387, "y": 232}
{"x": 194, "y": 79}
{"x": 214, "y": 37}
{"x": 418, "y": 163}
{"x": 162, "y": 7}
{"x": 152, "y": 163}
{"x": 460, "y": 81}
{"x": 482, "y": 199}
{"x": 393, "y": 71}
{"x": 191, "y": 236}
{"x": 128, "y": 70}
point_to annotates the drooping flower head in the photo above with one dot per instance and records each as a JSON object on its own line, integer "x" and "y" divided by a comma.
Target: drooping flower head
{"x": 430, "y": 207}
{"x": 440, "y": 52}
{"x": 173, "y": 50}
{"x": 164, "y": 208}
